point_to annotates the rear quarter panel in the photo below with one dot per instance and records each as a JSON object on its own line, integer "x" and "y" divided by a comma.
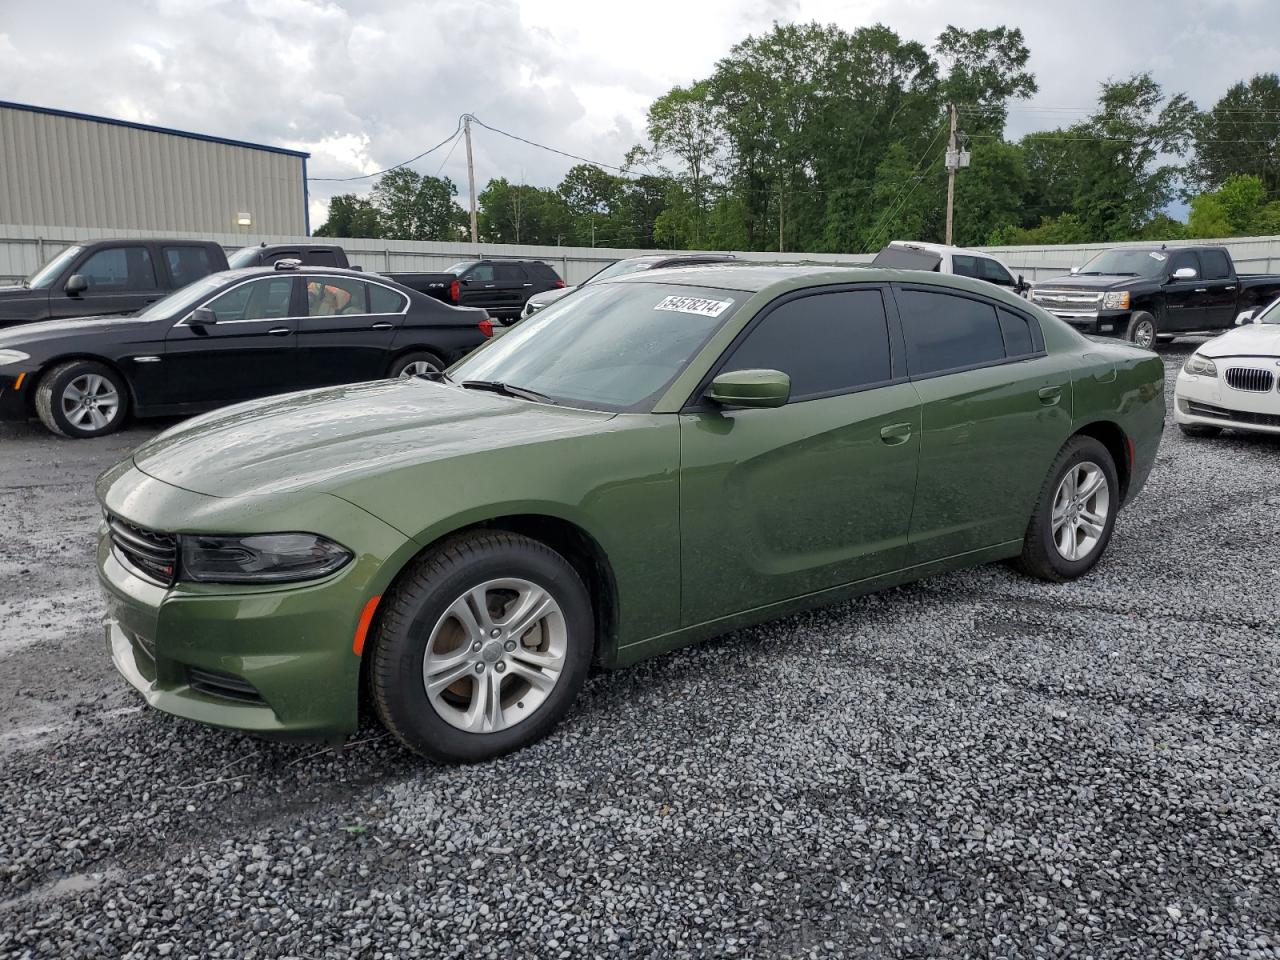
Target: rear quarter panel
{"x": 1125, "y": 386}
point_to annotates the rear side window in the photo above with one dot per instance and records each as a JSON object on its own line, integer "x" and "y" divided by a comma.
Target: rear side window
{"x": 509, "y": 273}
{"x": 284, "y": 255}
{"x": 945, "y": 332}
{"x": 385, "y": 300}
{"x": 1217, "y": 266}
{"x": 337, "y": 297}
{"x": 542, "y": 271}
{"x": 1018, "y": 338}
{"x": 187, "y": 264}
{"x": 826, "y": 343}
{"x": 320, "y": 258}
{"x": 119, "y": 268}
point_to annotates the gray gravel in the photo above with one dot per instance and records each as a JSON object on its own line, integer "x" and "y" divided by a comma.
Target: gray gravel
{"x": 978, "y": 765}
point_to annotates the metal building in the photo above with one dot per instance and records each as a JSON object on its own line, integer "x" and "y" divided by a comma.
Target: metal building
{"x": 63, "y": 169}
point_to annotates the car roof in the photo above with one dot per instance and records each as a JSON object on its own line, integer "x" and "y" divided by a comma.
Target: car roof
{"x": 940, "y": 248}
{"x": 309, "y": 269}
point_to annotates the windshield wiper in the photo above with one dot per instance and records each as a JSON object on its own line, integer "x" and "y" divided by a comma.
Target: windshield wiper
{"x": 507, "y": 390}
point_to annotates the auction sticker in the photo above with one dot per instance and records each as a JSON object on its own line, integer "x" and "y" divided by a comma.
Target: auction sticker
{"x": 1157, "y": 256}
{"x": 702, "y": 307}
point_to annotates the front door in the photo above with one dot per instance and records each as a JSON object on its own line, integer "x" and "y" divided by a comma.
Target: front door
{"x": 249, "y": 353}
{"x": 780, "y": 503}
{"x": 1184, "y": 300}
{"x": 996, "y": 410}
{"x": 121, "y": 280}
{"x": 347, "y": 333}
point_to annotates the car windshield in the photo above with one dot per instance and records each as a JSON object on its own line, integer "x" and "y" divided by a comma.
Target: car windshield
{"x": 616, "y": 346}
{"x": 1125, "y": 263}
{"x": 44, "y": 277}
{"x": 244, "y": 257}
{"x": 460, "y": 268}
{"x": 619, "y": 268}
{"x": 182, "y": 300}
{"x": 1270, "y": 314}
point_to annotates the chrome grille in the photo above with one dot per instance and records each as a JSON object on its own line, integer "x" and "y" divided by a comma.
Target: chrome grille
{"x": 153, "y": 556}
{"x": 1250, "y": 378}
{"x": 1065, "y": 300}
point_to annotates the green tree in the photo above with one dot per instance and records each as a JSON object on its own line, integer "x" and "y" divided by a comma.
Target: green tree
{"x": 990, "y": 192}
{"x": 1238, "y": 208}
{"x": 519, "y": 213}
{"x": 686, "y": 123}
{"x": 413, "y": 206}
{"x": 1241, "y": 134}
{"x": 351, "y": 216}
{"x": 984, "y": 70}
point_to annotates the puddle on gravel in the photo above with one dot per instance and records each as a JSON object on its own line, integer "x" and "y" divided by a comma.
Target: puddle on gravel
{"x": 75, "y": 883}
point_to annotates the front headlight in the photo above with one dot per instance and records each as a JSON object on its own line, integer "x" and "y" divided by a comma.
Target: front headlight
{"x": 1118, "y": 300}
{"x": 12, "y": 356}
{"x": 1200, "y": 366}
{"x": 260, "y": 557}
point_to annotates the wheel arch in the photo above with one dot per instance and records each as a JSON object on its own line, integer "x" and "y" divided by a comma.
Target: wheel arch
{"x": 49, "y": 365}
{"x": 1112, "y": 436}
{"x": 399, "y": 353}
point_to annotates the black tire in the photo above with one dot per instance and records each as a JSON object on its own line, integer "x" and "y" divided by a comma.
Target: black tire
{"x": 1199, "y": 430}
{"x": 420, "y": 600}
{"x": 1041, "y": 557}
{"x": 401, "y": 364}
{"x": 56, "y": 407}
{"x": 1142, "y": 330}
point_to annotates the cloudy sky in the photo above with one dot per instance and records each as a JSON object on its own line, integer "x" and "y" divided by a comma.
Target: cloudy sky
{"x": 363, "y": 84}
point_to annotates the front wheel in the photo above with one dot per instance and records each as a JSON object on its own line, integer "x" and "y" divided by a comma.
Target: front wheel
{"x": 1142, "y": 330}
{"x": 482, "y": 647}
{"x": 82, "y": 399}
{"x": 1074, "y": 515}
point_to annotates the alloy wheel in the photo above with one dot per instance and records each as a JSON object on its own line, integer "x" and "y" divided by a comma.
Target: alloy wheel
{"x": 1081, "y": 506}
{"x": 1144, "y": 334}
{"x": 419, "y": 368}
{"x": 495, "y": 655}
{"x": 90, "y": 402}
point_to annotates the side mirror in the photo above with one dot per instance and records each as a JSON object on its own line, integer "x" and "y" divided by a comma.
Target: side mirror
{"x": 1022, "y": 286}
{"x": 751, "y": 388}
{"x": 1074, "y": 271}
{"x": 1245, "y": 316}
{"x": 1185, "y": 273}
{"x": 76, "y": 285}
{"x": 203, "y": 317}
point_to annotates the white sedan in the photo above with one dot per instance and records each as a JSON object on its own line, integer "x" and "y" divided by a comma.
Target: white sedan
{"x": 1233, "y": 380}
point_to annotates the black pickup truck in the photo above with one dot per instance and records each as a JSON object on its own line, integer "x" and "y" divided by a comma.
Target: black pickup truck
{"x": 108, "y": 277}
{"x": 307, "y": 254}
{"x": 1145, "y": 294}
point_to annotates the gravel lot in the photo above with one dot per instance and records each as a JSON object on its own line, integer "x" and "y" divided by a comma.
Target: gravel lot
{"x": 978, "y": 765}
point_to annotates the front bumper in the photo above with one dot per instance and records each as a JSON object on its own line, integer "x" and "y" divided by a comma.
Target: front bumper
{"x": 270, "y": 660}
{"x": 14, "y": 400}
{"x": 1103, "y": 323}
{"x": 1210, "y": 402}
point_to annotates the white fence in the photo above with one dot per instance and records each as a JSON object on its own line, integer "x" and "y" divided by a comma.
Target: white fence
{"x": 24, "y": 249}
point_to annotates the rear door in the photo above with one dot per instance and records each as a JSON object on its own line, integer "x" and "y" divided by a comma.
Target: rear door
{"x": 249, "y": 353}
{"x": 512, "y": 285}
{"x": 996, "y": 410}
{"x": 779, "y": 503}
{"x": 1184, "y": 300}
{"x": 348, "y": 330}
{"x": 1220, "y": 288}
{"x": 121, "y": 280}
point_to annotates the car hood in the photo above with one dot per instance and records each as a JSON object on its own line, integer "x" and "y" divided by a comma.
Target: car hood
{"x": 1253, "y": 340}
{"x": 47, "y": 331}
{"x": 324, "y": 439}
{"x": 1077, "y": 282}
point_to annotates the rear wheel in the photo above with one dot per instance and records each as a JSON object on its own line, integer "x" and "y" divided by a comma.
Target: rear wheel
{"x": 82, "y": 399}
{"x": 421, "y": 363}
{"x": 1199, "y": 430}
{"x": 482, "y": 648}
{"x": 1142, "y": 329}
{"x": 1074, "y": 515}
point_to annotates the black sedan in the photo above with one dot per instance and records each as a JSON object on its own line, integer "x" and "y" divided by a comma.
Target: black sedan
{"x": 232, "y": 336}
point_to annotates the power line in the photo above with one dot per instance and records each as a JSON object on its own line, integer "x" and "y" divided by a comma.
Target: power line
{"x": 543, "y": 146}
{"x": 396, "y": 166}
{"x": 456, "y": 139}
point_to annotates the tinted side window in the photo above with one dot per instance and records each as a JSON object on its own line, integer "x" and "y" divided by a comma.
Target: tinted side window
{"x": 993, "y": 272}
{"x": 385, "y": 300}
{"x": 336, "y": 297}
{"x": 284, "y": 255}
{"x": 1216, "y": 264}
{"x": 187, "y": 264}
{"x": 1185, "y": 258}
{"x": 963, "y": 266}
{"x": 1018, "y": 340}
{"x": 119, "y": 268}
{"x": 945, "y": 331}
{"x": 541, "y": 271}
{"x": 826, "y": 343}
{"x": 480, "y": 273}
{"x": 264, "y": 299}
{"x": 320, "y": 258}
{"x": 509, "y": 272}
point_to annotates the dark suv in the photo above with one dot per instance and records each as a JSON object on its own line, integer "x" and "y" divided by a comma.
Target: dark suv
{"x": 500, "y": 286}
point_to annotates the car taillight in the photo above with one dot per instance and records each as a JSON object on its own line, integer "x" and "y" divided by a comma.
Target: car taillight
{"x": 486, "y": 327}
{"x": 455, "y": 291}
{"x": 559, "y": 284}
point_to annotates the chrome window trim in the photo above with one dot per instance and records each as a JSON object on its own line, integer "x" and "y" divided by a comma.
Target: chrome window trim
{"x": 292, "y": 275}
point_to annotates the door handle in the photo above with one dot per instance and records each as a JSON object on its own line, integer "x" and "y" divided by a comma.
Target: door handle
{"x": 279, "y": 331}
{"x": 1050, "y": 395}
{"x": 895, "y": 433}
{"x": 1232, "y": 287}
{"x": 528, "y": 284}
{"x": 1200, "y": 290}
{"x": 382, "y": 326}
{"x": 488, "y": 286}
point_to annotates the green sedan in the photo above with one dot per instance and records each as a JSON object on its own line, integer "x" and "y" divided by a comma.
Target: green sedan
{"x": 653, "y": 461}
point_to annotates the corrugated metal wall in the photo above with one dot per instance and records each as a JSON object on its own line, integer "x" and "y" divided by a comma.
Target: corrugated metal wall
{"x": 58, "y": 170}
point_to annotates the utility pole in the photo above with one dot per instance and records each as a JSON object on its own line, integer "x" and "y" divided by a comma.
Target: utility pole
{"x": 780, "y": 218}
{"x": 471, "y": 177}
{"x": 953, "y": 161}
